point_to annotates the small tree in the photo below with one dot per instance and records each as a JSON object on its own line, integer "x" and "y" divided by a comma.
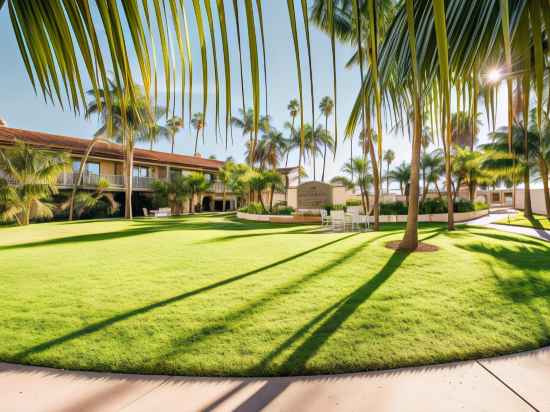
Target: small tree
{"x": 30, "y": 178}
{"x": 173, "y": 193}
{"x": 198, "y": 183}
{"x": 88, "y": 201}
{"x": 224, "y": 177}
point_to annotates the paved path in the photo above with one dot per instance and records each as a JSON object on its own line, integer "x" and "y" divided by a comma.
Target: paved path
{"x": 511, "y": 383}
{"x": 495, "y": 215}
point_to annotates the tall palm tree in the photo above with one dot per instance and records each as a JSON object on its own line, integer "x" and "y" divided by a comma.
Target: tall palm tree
{"x": 389, "y": 157}
{"x": 326, "y": 106}
{"x": 198, "y": 124}
{"x": 357, "y": 170}
{"x": 464, "y": 131}
{"x": 314, "y": 140}
{"x": 173, "y": 126}
{"x": 519, "y": 160}
{"x": 224, "y": 177}
{"x": 198, "y": 183}
{"x": 432, "y": 169}
{"x": 29, "y": 178}
{"x": 124, "y": 120}
{"x": 294, "y": 109}
{"x": 153, "y": 132}
{"x": 274, "y": 146}
{"x": 402, "y": 175}
{"x": 468, "y": 169}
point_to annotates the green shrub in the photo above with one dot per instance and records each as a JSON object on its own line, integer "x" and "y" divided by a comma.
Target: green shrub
{"x": 353, "y": 202}
{"x": 393, "y": 208}
{"x": 481, "y": 206}
{"x": 283, "y": 210}
{"x": 463, "y": 205}
{"x": 253, "y": 208}
{"x": 338, "y": 207}
{"x": 432, "y": 206}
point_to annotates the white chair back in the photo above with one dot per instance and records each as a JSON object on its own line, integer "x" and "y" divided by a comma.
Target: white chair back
{"x": 337, "y": 214}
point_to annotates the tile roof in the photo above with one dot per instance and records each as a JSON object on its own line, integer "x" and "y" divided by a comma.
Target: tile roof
{"x": 75, "y": 145}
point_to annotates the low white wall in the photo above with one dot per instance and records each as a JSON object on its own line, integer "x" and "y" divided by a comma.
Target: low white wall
{"x": 537, "y": 200}
{"x": 262, "y": 218}
{"x": 436, "y": 217}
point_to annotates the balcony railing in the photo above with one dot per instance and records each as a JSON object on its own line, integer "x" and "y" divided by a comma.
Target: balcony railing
{"x": 115, "y": 181}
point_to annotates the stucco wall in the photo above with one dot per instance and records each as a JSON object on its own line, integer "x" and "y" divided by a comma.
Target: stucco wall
{"x": 107, "y": 167}
{"x": 537, "y": 200}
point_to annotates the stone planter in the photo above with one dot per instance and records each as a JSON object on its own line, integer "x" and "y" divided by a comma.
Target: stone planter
{"x": 313, "y": 219}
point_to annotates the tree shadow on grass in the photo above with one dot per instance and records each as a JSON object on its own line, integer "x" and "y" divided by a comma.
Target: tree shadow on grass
{"x": 530, "y": 287}
{"x": 97, "y": 326}
{"x": 185, "y": 343}
{"x": 519, "y": 238}
{"x": 149, "y": 227}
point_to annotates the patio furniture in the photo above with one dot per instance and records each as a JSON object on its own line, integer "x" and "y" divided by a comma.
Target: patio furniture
{"x": 357, "y": 220}
{"x": 162, "y": 212}
{"x": 146, "y": 212}
{"x": 338, "y": 219}
{"x": 325, "y": 218}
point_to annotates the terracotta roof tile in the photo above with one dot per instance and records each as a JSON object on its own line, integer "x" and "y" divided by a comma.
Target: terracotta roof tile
{"x": 109, "y": 150}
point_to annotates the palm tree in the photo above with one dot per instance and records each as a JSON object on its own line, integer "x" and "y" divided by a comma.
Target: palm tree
{"x": 124, "y": 120}
{"x": 30, "y": 178}
{"x": 173, "y": 126}
{"x": 389, "y": 157}
{"x": 198, "y": 124}
{"x": 468, "y": 169}
{"x": 173, "y": 193}
{"x": 464, "y": 131}
{"x": 433, "y": 168}
{"x": 402, "y": 175}
{"x": 326, "y": 107}
{"x": 294, "y": 109}
{"x": 257, "y": 183}
{"x": 153, "y": 132}
{"x": 273, "y": 147}
{"x": 357, "y": 171}
{"x": 274, "y": 181}
{"x": 314, "y": 140}
{"x": 224, "y": 177}
{"x": 198, "y": 183}
{"x": 86, "y": 201}
{"x": 525, "y": 156}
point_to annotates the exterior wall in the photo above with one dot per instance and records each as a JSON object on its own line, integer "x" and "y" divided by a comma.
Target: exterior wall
{"x": 339, "y": 195}
{"x": 537, "y": 201}
{"x": 107, "y": 167}
{"x": 292, "y": 197}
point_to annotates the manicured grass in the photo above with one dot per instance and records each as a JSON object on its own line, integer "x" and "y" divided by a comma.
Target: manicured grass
{"x": 537, "y": 222}
{"x": 210, "y": 295}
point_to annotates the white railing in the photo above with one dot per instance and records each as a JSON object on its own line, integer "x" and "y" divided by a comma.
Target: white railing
{"x": 217, "y": 187}
{"x": 143, "y": 182}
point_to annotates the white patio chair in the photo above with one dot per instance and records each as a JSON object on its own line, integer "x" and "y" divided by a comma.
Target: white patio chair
{"x": 338, "y": 219}
{"x": 325, "y": 218}
{"x": 357, "y": 220}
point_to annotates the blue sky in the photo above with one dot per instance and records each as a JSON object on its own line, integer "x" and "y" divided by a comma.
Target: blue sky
{"x": 23, "y": 109}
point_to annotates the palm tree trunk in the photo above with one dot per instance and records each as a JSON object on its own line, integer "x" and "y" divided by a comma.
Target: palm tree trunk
{"x": 271, "y": 197}
{"x": 192, "y": 203}
{"x": 410, "y": 239}
{"x": 292, "y": 137}
{"x": 363, "y": 200}
{"x": 376, "y": 178}
{"x": 151, "y": 146}
{"x": 544, "y": 176}
{"x": 196, "y": 142}
{"x": 325, "y": 151}
{"x": 527, "y": 208}
{"x": 449, "y": 184}
{"x": 437, "y": 189}
{"x": 173, "y": 142}
{"x": 388, "y": 179}
{"x": 129, "y": 181}
{"x": 313, "y": 154}
{"x": 223, "y": 200}
{"x": 76, "y": 182}
{"x": 472, "y": 189}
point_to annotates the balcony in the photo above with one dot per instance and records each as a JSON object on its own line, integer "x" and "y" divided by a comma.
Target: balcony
{"x": 90, "y": 181}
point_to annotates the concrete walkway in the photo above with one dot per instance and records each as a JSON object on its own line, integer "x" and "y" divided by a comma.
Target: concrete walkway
{"x": 496, "y": 215}
{"x": 511, "y": 383}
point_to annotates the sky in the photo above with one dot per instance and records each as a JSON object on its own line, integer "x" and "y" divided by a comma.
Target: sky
{"x": 21, "y": 108}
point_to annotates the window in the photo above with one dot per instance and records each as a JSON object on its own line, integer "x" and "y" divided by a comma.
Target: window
{"x": 92, "y": 168}
{"x": 495, "y": 198}
{"x": 141, "y": 171}
{"x": 175, "y": 173}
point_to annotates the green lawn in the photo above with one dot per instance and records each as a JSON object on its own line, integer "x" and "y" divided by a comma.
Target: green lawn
{"x": 537, "y": 222}
{"x": 210, "y": 295}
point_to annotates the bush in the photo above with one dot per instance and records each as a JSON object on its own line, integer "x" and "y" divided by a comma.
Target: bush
{"x": 283, "y": 210}
{"x": 481, "y": 206}
{"x": 463, "y": 205}
{"x": 394, "y": 208}
{"x": 253, "y": 208}
{"x": 353, "y": 202}
{"x": 432, "y": 206}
